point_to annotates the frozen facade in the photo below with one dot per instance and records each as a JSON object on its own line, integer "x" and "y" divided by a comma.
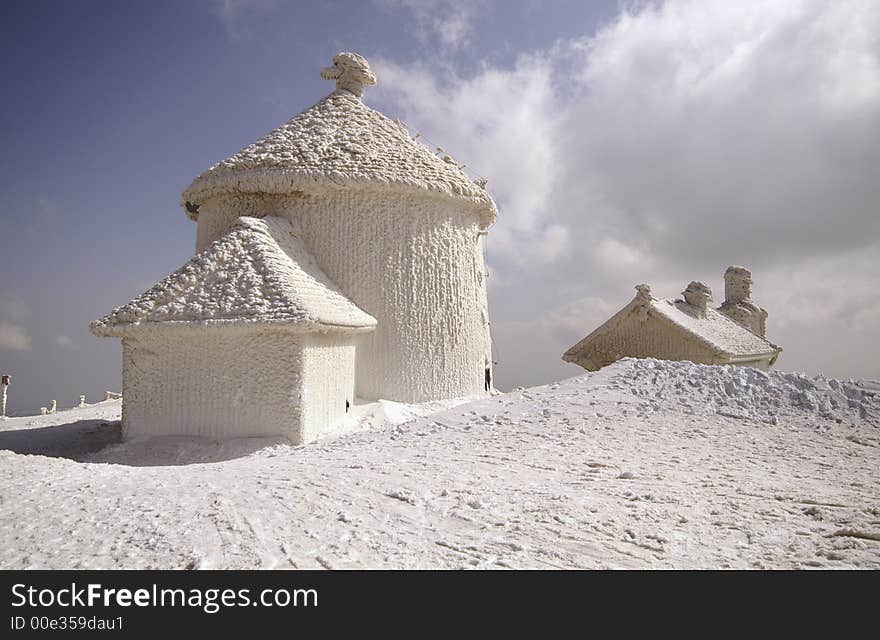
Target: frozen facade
{"x": 686, "y": 328}
{"x": 336, "y": 258}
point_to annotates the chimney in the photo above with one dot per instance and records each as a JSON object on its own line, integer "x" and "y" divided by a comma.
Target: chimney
{"x": 737, "y": 285}
{"x": 643, "y": 297}
{"x": 643, "y": 294}
{"x": 698, "y": 295}
{"x": 738, "y": 304}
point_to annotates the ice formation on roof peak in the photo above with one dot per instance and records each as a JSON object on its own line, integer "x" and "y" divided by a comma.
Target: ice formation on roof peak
{"x": 351, "y": 71}
{"x": 643, "y": 293}
{"x": 698, "y": 295}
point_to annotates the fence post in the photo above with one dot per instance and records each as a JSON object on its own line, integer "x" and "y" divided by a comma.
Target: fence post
{"x": 4, "y": 384}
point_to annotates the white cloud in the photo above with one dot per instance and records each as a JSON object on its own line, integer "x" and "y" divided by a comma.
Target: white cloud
{"x": 14, "y": 337}
{"x": 448, "y": 23}
{"x": 680, "y": 138}
{"x": 499, "y": 123}
{"x": 235, "y": 14}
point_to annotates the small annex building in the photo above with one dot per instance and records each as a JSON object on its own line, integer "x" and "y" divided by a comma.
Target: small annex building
{"x": 684, "y": 328}
{"x": 337, "y": 258}
{"x": 248, "y": 338}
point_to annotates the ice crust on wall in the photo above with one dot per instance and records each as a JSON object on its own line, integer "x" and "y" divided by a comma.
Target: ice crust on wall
{"x": 224, "y": 384}
{"x": 212, "y": 383}
{"x": 328, "y": 364}
{"x": 412, "y": 262}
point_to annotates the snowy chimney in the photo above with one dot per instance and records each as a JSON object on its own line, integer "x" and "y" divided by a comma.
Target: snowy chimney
{"x": 698, "y": 295}
{"x": 351, "y": 72}
{"x": 738, "y": 304}
{"x": 737, "y": 285}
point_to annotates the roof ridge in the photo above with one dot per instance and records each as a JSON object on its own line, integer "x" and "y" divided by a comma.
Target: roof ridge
{"x": 712, "y": 316}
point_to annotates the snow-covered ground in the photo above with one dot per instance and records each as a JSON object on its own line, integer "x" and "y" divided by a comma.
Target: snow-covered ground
{"x": 643, "y": 464}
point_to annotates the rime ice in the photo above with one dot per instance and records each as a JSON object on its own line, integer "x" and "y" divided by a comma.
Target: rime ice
{"x": 685, "y": 328}
{"x": 383, "y": 230}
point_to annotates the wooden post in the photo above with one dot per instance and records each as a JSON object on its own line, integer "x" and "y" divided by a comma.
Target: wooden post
{"x": 4, "y": 384}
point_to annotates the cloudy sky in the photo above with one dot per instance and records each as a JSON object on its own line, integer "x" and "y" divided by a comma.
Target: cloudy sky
{"x": 624, "y": 143}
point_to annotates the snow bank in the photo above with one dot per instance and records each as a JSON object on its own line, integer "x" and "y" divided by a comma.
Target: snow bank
{"x": 638, "y": 465}
{"x": 746, "y": 393}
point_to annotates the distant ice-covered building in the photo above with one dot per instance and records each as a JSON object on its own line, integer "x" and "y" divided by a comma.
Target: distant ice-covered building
{"x": 685, "y": 328}
{"x": 337, "y": 252}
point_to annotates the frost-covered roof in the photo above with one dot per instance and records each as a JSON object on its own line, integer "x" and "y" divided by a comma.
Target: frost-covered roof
{"x": 711, "y": 328}
{"x": 258, "y": 272}
{"x": 715, "y": 330}
{"x": 339, "y": 142}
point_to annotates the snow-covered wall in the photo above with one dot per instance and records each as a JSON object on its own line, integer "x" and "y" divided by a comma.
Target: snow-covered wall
{"x": 328, "y": 362}
{"x": 215, "y": 383}
{"x": 415, "y": 264}
{"x": 413, "y": 260}
{"x": 219, "y": 213}
{"x": 643, "y": 336}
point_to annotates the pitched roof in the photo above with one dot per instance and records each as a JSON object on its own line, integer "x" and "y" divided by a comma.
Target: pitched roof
{"x": 259, "y": 272}
{"x": 714, "y": 330}
{"x": 339, "y": 142}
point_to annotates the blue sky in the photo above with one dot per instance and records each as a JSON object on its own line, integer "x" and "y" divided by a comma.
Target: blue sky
{"x": 619, "y": 140}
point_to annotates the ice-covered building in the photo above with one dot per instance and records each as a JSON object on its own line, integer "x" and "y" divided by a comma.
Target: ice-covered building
{"x": 361, "y": 239}
{"x": 685, "y": 328}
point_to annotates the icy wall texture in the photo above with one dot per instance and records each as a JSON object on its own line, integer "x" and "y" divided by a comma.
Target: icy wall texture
{"x": 217, "y": 383}
{"x": 328, "y": 363}
{"x": 415, "y": 264}
{"x": 232, "y": 383}
{"x": 217, "y": 215}
{"x": 413, "y": 261}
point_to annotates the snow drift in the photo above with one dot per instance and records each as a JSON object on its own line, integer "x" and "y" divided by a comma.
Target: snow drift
{"x": 642, "y": 464}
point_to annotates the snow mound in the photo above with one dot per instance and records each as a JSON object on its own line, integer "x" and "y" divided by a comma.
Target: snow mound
{"x": 746, "y": 393}
{"x": 632, "y": 466}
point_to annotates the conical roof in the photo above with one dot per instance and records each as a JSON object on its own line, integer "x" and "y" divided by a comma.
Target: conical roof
{"x": 340, "y": 142}
{"x": 259, "y": 272}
